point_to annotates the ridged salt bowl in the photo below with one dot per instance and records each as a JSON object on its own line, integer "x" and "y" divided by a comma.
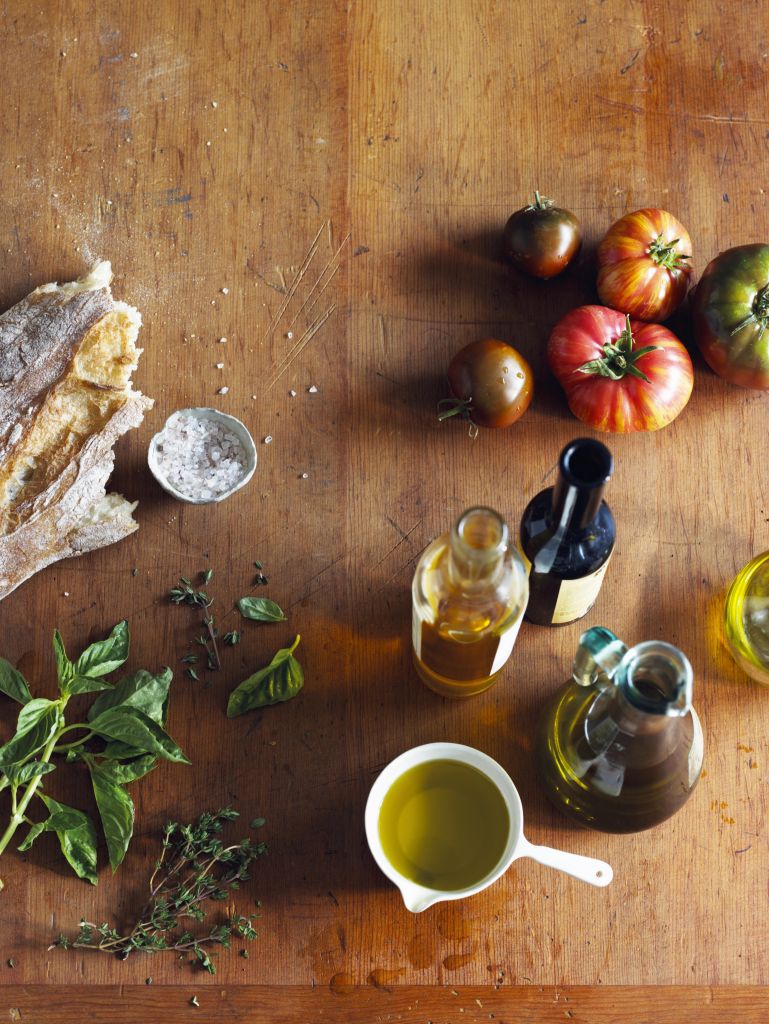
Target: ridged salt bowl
{"x": 229, "y": 423}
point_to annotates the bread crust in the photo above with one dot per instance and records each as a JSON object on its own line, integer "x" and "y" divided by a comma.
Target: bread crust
{"x": 66, "y": 355}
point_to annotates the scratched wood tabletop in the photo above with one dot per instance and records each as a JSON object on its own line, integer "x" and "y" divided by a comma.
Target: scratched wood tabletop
{"x": 343, "y": 171}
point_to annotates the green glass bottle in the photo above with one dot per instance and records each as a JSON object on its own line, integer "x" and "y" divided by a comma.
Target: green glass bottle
{"x": 619, "y": 747}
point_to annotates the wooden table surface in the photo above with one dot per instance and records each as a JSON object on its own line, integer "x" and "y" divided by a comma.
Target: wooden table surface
{"x": 344, "y": 170}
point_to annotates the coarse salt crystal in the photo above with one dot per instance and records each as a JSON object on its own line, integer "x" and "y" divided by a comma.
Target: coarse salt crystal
{"x": 268, "y": 439}
{"x": 222, "y": 391}
{"x": 290, "y": 335}
{"x": 214, "y": 104}
{"x": 220, "y": 366}
{"x": 292, "y": 393}
{"x": 222, "y": 341}
{"x": 225, "y": 291}
{"x": 305, "y": 476}
{"x": 312, "y": 390}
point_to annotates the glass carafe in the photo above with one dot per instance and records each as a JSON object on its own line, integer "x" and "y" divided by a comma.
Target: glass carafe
{"x": 619, "y": 747}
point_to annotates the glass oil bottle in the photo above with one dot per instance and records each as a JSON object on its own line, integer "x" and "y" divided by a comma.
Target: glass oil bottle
{"x": 619, "y": 748}
{"x": 746, "y": 618}
{"x": 468, "y": 598}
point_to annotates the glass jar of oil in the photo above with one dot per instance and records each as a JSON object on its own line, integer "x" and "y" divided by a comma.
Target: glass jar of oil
{"x": 746, "y": 618}
{"x": 620, "y": 747}
{"x": 468, "y": 597}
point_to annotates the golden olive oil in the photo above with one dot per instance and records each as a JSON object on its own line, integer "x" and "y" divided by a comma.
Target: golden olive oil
{"x": 746, "y": 618}
{"x": 444, "y": 825}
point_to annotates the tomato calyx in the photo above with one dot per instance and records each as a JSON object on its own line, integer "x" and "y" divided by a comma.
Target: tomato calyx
{"x": 540, "y": 203}
{"x": 666, "y": 255}
{"x": 619, "y": 358}
{"x": 462, "y": 407}
{"x": 759, "y": 313}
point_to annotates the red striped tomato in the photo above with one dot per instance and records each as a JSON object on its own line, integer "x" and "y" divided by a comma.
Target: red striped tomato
{"x": 644, "y": 264}
{"x": 619, "y": 375}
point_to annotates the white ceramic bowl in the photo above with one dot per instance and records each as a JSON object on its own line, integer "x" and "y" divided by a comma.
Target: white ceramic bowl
{"x": 230, "y": 423}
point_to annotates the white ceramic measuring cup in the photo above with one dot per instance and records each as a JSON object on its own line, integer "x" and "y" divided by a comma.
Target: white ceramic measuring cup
{"x": 417, "y": 897}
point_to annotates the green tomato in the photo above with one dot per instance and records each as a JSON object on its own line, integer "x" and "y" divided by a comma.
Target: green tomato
{"x": 731, "y": 315}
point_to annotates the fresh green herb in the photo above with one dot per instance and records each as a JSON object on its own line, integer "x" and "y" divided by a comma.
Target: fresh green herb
{"x": 260, "y": 609}
{"x": 192, "y": 674}
{"x": 279, "y": 681}
{"x": 244, "y": 954}
{"x": 185, "y": 593}
{"x": 232, "y": 638}
{"x": 258, "y": 822}
{"x": 260, "y": 580}
{"x": 194, "y": 1001}
{"x": 11, "y": 962}
{"x": 189, "y": 659}
{"x": 194, "y": 866}
{"x": 134, "y": 572}
{"x": 148, "y": 981}
{"x": 120, "y": 741}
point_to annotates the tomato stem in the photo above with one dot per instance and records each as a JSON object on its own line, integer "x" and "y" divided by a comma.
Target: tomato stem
{"x": 665, "y": 254}
{"x": 619, "y": 358}
{"x": 461, "y": 407}
{"x": 759, "y": 313}
{"x": 540, "y": 202}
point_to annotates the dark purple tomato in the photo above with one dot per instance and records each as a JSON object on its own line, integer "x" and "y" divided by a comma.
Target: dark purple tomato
{"x": 492, "y": 384}
{"x": 542, "y": 239}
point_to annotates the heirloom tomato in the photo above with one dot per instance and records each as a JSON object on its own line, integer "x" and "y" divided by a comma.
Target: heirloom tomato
{"x": 619, "y": 374}
{"x": 731, "y": 315}
{"x": 492, "y": 385}
{"x": 542, "y": 239}
{"x": 643, "y": 264}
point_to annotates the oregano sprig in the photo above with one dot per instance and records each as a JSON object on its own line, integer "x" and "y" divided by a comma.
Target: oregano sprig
{"x": 185, "y": 593}
{"x": 194, "y": 866}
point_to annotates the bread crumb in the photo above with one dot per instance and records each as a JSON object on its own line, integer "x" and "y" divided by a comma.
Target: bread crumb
{"x": 222, "y": 341}
{"x": 208, "y": 143}
{"x": 222, "y": 391}
{"x": 134, "y": 55}
{"x": 214, "y": 104}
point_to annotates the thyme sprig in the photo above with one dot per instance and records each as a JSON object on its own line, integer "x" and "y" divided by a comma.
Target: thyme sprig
{"x": 185, "y": 593}
{"x": 194, "y": 866}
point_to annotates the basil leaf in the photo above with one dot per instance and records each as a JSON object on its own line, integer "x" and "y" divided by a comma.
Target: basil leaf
{"x": 104, "y": 656}
{"x": 38, "y": 721}
{"x": 12, "y": 683}
{"x": 281, "y": 680}
{"x": 116, "y": 810}
{"x": 84, "y": 684}
{"x": 17, "y": 775}
{"x": 77, "y": 837}
{"x": 142, "y": 690}
{"x": 260, "y": 609}
{"x": 133, "y": 770}
{"x": 65, "y": 670}
{"x": 34, "y": 832}
{"x": 139, "y": 731}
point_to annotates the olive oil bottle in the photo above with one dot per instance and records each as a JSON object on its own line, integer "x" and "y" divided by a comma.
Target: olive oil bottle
{"x": 468, "y": 597}
{"x": 619, "y": 747}
{"x": 746, "y": 618}
{"x": 567, "y": 536}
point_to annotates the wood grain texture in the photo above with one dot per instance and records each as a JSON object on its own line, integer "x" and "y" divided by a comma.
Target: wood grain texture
{"x": 408, "y": 1004}
{"x": 356, "y": 162}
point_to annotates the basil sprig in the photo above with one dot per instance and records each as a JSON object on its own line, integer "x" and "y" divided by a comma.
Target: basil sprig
{"x": 120, "y": 741}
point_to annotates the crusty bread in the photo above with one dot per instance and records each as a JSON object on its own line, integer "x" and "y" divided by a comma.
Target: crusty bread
{"x": 67, "y": 353}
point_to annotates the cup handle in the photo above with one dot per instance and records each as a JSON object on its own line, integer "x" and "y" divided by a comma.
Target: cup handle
{"x": 587, "y": 869}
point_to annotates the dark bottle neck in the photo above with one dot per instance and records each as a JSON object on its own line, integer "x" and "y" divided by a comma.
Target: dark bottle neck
{"x": 584, "y": 469}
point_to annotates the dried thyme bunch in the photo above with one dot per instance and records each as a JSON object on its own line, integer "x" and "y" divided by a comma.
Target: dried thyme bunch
{"x": 194, "y": 866}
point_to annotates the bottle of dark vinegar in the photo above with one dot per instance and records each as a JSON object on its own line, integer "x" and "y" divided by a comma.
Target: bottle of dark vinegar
{"x": 567, "y": 536}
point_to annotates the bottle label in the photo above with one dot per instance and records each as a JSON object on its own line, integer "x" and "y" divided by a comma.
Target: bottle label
{"x": 576, "y": 596}
{"x": 506, "y": 644}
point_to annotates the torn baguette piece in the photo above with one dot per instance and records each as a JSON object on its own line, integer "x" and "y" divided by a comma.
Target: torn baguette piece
{"x": 67, "y": 353}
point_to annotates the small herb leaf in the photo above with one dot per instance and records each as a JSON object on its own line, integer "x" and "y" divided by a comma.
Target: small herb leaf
{"x": 19, "y": 774}
{"x": 260, "y": 609}
{"x": 131, "y": 726}
{"x": 77, "y": 837}
{"x": 279, "y": 681}
{"x": 12, "y": 683}
{"x": 105, "y": 656}
{"x": 65, "y": 670}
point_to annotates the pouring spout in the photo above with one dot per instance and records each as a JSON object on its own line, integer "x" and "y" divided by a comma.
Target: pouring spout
{"x": 417, "y": 898}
